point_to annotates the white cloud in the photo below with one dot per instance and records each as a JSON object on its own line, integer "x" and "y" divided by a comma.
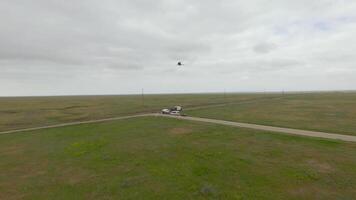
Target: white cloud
{"x": 97, "y": 47}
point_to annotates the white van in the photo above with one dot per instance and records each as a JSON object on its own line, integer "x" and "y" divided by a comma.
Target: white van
{"x": 165, "y": 111}
{"x": 174, "y": 112}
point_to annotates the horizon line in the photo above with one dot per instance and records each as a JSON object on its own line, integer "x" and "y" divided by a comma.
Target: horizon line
{"x": 182, "y": 93}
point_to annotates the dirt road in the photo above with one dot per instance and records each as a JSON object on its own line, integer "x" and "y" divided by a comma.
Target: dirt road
{"x": 347, "y": 138}
{"x": 75, "y": 123}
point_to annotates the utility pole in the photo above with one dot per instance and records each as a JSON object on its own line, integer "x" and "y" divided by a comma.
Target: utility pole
{"x": 142, "y": 97}
{"x": 224, "y": 95}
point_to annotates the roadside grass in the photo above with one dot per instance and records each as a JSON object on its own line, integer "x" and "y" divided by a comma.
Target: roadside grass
{"x": 328, "y": 112}
{"x": 160, "y": 158}
{"x": 26, "y": 112}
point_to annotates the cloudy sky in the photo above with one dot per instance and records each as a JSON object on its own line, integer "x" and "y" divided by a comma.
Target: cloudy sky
{"x": 56, "y": 47}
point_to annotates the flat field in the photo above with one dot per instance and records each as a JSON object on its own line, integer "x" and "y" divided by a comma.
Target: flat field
{"x": 328, "y": 112}
{"x": 26, "y": 112}
{"x": 160, "y": 158}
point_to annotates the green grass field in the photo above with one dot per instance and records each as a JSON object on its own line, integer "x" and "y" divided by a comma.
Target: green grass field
{"x": 328, "y": 112}
{"x": 25, "y": 112}
{"x": 160, "y": 158}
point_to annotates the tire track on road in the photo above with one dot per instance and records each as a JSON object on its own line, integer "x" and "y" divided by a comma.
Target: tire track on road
{"x": 317, "y": 134}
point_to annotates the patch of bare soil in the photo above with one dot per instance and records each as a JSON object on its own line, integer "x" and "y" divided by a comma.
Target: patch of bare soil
{"x": 12, "y": 150}
{"x": 132, "y": 181}
{"x": 73, "y": 175}
{"x": 305, "y": 191}
{"x": 180, "y": 131}
{"x": 11, "y": 194}
{"x": 321, "y": 167}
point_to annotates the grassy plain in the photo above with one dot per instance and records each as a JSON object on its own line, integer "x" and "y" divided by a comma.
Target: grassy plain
{"x": 25, "y": 112}
{"x": 328, "y": 112}
{"x": 160, "y": 158}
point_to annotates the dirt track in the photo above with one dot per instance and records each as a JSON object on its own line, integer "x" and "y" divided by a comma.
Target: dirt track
{"x": 335, "y": 136}
{"x": 348, "y": 138}
{"x": 75, "y": 123}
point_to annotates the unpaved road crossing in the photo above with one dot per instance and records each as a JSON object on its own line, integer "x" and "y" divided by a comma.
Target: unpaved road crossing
{"x": 348, "y": 138}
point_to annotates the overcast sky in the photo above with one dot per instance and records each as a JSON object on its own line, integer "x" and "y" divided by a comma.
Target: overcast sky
{"x": 56, "y": 47}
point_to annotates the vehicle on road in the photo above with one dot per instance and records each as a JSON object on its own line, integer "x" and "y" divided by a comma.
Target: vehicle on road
{"x": 165, "y": 111}
{"x": 176, "y": 110}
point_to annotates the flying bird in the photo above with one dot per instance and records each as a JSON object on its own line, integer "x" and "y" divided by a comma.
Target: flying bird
{"x": 179, "y": 63}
